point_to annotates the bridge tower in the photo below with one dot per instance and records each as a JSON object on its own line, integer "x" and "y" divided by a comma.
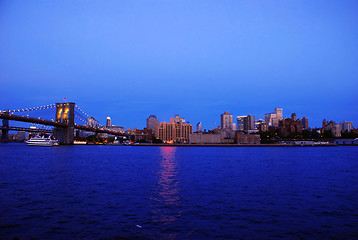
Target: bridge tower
{"x": 65, "y": 113}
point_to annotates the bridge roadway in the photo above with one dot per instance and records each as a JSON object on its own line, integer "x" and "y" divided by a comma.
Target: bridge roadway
{"x": 57, "y": 124}
{"x": 21, "y": 129}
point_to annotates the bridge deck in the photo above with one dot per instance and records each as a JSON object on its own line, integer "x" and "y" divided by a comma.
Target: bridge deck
{"x": 57, "y": 124}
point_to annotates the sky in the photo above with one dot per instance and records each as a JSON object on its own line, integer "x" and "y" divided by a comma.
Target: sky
{"x": 198, "y": 59}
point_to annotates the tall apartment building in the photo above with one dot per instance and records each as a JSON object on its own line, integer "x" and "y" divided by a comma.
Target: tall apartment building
{"x": 108, "y": 122}
{"x": 346, "y": 126}
{"x": 226, "y": 121}
{"x": 199, "y": 127}
{"x": 175, "y": 131}
{"x": 152, "y": 121}
{"x": 279, "y": 113}
{"x": 249, "y": 122}
{"x": 304, "y": 123}
{"x": 272, "y": 119}
{"x": 294, "y": 116}
{"x": 92, "y": 122}
{"x": 240, "y": 123}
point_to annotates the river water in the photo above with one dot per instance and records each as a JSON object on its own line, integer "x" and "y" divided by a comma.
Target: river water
{"x": 129, "y": 192}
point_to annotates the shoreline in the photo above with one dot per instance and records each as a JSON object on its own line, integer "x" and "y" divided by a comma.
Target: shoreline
{"x": 227, "y": 145}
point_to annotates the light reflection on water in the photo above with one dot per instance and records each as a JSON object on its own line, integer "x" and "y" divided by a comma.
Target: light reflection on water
{"x": 166, "y": 197}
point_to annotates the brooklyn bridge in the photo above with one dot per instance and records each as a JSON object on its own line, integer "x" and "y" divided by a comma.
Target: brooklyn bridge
{"x": 63, "y": 123}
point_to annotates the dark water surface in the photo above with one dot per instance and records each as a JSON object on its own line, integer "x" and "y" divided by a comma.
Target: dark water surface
{"x": 104, "y": 192}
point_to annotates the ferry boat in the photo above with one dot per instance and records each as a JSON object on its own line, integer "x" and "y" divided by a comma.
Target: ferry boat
{"x": 42, "y": 139}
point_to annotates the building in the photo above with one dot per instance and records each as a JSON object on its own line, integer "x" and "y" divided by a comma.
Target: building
{"x": 152, "y": 122}
{"x": 176, "y": 131}
{"x": 279, "y": 113}
{"x": 92, "y": 122}
{"x": 258, "y": 122}
{"x": 346, "y": 126}
{"x": 199, "y": 127}
{"x": 226, "y": 121}
{"x": 263, "y": 127}
{"x": 108, "y": 122}
{"x": 336, "y": 130}
{"x": 242, "y": 138}
{"x": 177, "y": 119}
{"x": 331, "y": 126}
{"x": 304, "y": 123}
{"x": 116, "y": 128}
{"x": 288, "y": 126}
{"x": 142, "y": 135}
{"x": 240, "y": 123}
{"x": 294, "y": 116}
{"x": 272, "y": 119}
{"x": 249, "y": 123}
{"x": 205, "y": 138}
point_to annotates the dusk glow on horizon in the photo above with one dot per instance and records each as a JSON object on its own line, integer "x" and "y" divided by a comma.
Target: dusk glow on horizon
{"x": 131, "y": 59}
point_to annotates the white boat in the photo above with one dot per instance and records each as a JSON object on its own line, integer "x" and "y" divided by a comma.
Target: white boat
{"x": 42, "y": 139}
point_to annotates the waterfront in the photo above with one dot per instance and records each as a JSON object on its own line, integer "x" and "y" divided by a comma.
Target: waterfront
{"x": 124, "y": 192}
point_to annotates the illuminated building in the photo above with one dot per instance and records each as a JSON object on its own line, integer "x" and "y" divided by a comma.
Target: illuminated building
{"x": 92, "y": 122}
{"x": 240, "y": 123}
{"x": 249, "y": 123}
{"x": 279, "y": 113}
{"x": 272, "y": 119}
{"x": 226, "y": 121}
{"x": 199, "y": 127}
{"x": 258, "y": 122}
{"x": 263, "y": 127}
{"x": 109, "y": 122}
{"x": 177, "y": 119}
{"x": 175, "y": 131}
{"x": 152, "y": 121}
{"x": 336, "y": 130}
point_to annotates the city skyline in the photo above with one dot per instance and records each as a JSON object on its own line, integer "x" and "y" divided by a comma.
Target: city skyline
{"x": 197, "y": 59}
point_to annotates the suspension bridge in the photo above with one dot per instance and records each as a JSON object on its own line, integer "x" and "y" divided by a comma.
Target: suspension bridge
{"x": 63, "y": 122}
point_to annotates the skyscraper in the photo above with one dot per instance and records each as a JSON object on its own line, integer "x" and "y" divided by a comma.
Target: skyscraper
{"x": 109, "y": 122}
{"x": 152, "y": 121}
{"x": 249, "y": 122}
{"x": 92, "y": 122}
{"x": 272, "y": 119}
{"x": 240, "y": 123}
{"x": 294, "y": 116}
{"x": 279, "y": 113}
{"x": 199, "y": 127}
{"x": 304, "y": 123}
{"x": 226, "y": 121}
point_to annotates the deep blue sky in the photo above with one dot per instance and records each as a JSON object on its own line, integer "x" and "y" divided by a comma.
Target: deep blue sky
{"x": 130, "y": 59}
